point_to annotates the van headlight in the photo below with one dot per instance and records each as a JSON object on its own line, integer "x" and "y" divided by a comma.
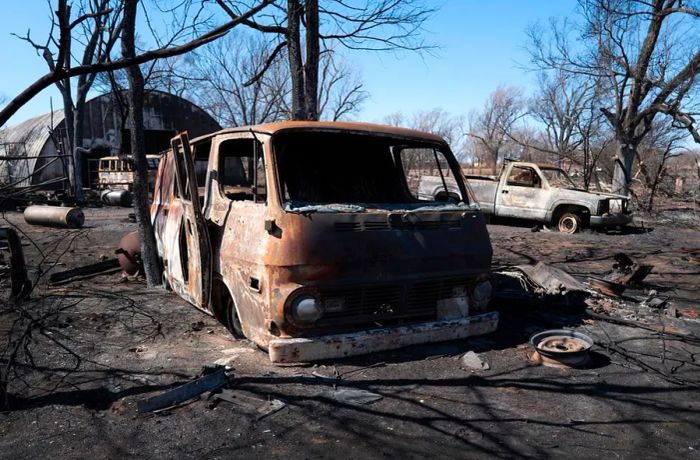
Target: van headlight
{"x": 306, "y": 309}
{"x": 482, "y": 293}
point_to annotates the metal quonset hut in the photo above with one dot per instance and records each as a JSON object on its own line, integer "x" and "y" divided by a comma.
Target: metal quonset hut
{"x": 35, "y": 144}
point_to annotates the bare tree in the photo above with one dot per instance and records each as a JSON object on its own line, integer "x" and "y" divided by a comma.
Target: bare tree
{"x": 490, "y": 126}
{"x": 647, "y": 54}
{"x": 215, "y": 78}
{"x": 226, "y": 79}
{"x": 566, "y": 107}
{"x": 299, "y": 27}
{"x": 61, "y": 71}
{"x": 436, "y": 121}
{"x": 662, "y": 143}
{"x": 559, "y": 105}
{"x": 96, "y": 28}
{"x": 149, "y": 251}
{"x": 341, "y": 91}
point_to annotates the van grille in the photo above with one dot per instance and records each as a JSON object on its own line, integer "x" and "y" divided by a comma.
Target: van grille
{"x": 415, "y": 300}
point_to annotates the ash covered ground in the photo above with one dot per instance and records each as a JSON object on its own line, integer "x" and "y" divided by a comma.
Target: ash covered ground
{"x": 98, "y": 346}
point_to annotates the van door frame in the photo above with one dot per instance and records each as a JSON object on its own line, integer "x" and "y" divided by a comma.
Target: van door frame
{"x": 195, "y": 255}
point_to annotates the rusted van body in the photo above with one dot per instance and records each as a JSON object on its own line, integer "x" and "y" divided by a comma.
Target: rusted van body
{"x": 309, "y": 239}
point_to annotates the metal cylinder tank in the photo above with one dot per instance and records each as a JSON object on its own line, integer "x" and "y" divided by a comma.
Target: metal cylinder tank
{"x": 116, "y": 198}
{"x": 54, "y": 216}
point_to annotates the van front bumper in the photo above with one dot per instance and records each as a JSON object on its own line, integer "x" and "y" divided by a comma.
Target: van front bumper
{"x": 295, "y": 350}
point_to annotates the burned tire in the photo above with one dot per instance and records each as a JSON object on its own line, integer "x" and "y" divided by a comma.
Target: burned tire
{"x": 569, "y": 223}
{"x": 231, "y": 321}
{"x": 165, "y": 282}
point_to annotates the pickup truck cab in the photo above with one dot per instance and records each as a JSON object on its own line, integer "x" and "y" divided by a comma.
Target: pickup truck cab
{"x": 310, "y": 239}
{"x": 541, "y": 193}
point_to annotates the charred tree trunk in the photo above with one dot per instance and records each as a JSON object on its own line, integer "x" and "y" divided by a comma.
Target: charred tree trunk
{"x": 77, "y": 139}
{"x": 296, "y": 66}
{"x": 494, "y": 156}
{"x": 64, "y": 86}
{"x": 313, "y": 52}
{"x": 149, "y": 252}
{"x": 68, "y": 138}
{"x": 622, "y": 175}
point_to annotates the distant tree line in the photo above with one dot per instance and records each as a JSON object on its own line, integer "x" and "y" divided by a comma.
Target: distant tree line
{"x": 616, "y": 98}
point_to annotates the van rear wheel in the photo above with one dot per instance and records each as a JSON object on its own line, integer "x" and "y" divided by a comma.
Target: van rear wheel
{"x": 232, "y": 323}
{"x": 569, "y": 223}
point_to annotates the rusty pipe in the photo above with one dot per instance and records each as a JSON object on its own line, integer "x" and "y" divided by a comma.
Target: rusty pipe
{"x": 54, "y": 216}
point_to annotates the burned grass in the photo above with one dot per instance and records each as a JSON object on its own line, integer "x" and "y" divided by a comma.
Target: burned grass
{"x": 83, "y": 355}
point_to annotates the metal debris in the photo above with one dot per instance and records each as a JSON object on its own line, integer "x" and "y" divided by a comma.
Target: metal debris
{"x": 561, "y": 348}
{"x": 183, "y": 393}
{"x": 352, "y": 396}
{"x": 609, "y": 288}
{"x": 251, "y": 404}
{"x": 104, "y": 267}
{"x": 540, "y": 281}
{"x": 654, "y": 301}
{"x": 628, "y": 272}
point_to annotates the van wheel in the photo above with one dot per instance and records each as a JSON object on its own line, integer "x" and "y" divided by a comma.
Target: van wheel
{"x": 233, "y": 324}
{"x": 569, "y": 223}
{"x": 166, "y": 283}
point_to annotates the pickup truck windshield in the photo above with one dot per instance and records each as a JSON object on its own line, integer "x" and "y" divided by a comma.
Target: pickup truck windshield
{"x": 323, "y": 168}
{"x": 557, "y": 178}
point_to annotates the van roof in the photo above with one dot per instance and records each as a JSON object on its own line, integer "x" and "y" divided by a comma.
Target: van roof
{"x": 276, "y": 127}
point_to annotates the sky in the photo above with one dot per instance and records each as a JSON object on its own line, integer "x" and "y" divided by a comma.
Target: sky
{"x": 481, "y": 44}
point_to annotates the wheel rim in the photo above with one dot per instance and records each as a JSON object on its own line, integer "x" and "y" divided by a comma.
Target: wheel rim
{"x": 568, "y": 224}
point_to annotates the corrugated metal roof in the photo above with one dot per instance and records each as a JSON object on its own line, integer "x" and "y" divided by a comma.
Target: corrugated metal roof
{"x": 102, "y": 128}
{"x": 26, "y": 139}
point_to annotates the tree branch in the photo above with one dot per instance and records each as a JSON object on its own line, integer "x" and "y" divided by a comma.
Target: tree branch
{"x": 267, "y": 64}
{"x": 60, "y": 73}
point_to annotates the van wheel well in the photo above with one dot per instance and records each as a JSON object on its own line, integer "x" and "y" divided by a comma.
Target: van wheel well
{"x": 224, "y": 308}
{"x": 581, "y": 212}
{"x": 218, "y": 290}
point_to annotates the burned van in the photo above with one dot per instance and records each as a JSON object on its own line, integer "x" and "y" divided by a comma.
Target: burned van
{"x": 310, "y": 239}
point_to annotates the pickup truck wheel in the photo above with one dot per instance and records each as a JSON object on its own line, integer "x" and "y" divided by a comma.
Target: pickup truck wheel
{"x": 233, "y": 324}
{"x": 569, "y": 223}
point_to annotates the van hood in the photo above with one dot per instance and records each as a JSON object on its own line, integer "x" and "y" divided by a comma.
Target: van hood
{"x": 380, "y": 246}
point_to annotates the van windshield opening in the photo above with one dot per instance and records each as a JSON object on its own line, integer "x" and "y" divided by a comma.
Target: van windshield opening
{"x": 359, "y": 170}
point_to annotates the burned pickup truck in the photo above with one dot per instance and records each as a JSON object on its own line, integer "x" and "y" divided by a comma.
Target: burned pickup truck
{"x": 310, "y": 239}
{"x": 541, "y": 193}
